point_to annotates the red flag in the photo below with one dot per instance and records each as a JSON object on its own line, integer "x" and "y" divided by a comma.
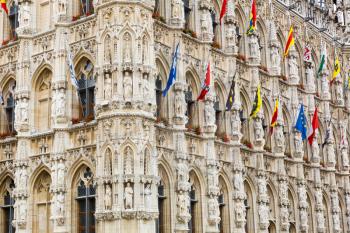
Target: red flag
{"x": 290, "y": 41}
{"x": 274, "y": 116}
{"x": 206, "y": 85}
{"x": 4, "y": 6}
{"x": 223, "y": 10}
{"x": 315, "y": 125}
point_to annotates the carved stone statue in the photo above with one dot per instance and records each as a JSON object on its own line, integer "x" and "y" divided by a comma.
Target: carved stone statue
{"x": 183, "y": 203}
{"x": 127, "y": 48}
{"x": 61, "y": 103}
{"x": 209, "y": 113}
{"x": 179, "y": 104}
{"x": 108, "y": 86}
{"x": 177, "y": 9}
{"x": 238, "y": 181}
{"x": 128, "y": 161}
{"x": 205, "y": 23}
{"x": 213, "y": 210}
{"x": 293, "y": 66}
{"x": 310, "y": 78}
{"x": 235, "y": 122}
{"x": 61, "y": 7}
{"x": 127, "y": 84}
{"x": 23, "y": 178}
{"x": 108, "y": 197}
{"x": 331, "y": 153}
{"x": 182, "y": 173}
{"x": 213, "y": 178}
{"x": 320, "y": 219}
{"x": 146, "y": 87}
{"x": 22, "y": 206}
{"x": 60, "y": 174}
{"x": 128, "y": 196}
{"x": 275, "y": 57}
{"x": 339, "y": 95}
{"x": 254, "y": 46}
{"x": 24, "y": 15}
{"x": 315, "y": 150}
{"x": 148, "y": 196}
{"x": 263, "y": 211}
{"x": 325, "y": 87}
{"x": 279, "y": 136}
{"x": 240, "y": 211}
{"x": 59, "y": 204}
{"x": 298, "y": 142}
{"x": 258, "y": 129}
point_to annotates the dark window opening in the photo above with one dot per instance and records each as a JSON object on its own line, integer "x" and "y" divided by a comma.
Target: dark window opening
{"x": 159, "y": 96}
{"x": 86, "y": 91}
{"x": 190, "y": 107}
{"x": 8, "y": 213}
{"x": 193, "y": 205}
{"x": 10, "y": 114}
{"x": 247, "y": 208}
{"x": 187, "y": 10}
{"x": 218, "y": 117}
{"x": 87, "y": 7}
{"x": 160, "y": 222}
{"x": 222, "y": 204}
{"x": 13, "y": 18}
{"x": 86, "y": 205}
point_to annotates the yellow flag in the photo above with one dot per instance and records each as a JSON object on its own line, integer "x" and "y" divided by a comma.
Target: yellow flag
{"x": 257, "y": 103}
{"x": 336, "y": 70}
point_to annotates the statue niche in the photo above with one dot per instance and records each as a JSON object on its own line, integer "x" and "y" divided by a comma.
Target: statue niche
{"x": 128, "y": 161}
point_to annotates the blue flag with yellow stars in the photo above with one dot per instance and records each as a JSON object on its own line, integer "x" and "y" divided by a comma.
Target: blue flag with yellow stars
{"x": 301, "y": 125}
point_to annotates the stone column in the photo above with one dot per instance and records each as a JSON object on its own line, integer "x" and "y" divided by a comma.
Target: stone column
{"x": 335, "y": 208}
{"x": 302, "y": 197}
{"x": 319, "y": 209}
{"x": 284, "y": 201}
{"x": 263, "y": 200}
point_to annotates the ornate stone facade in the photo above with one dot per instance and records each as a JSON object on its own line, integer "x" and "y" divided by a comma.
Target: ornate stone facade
{"x": 116, "y": 156}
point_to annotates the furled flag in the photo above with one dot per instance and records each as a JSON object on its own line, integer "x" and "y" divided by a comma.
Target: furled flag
{"x": 322, "y": 63}
{"x": 290, "y": 41}
{"x": 274, "y": 116}
{"x": 173, "y": 71}
{"x": 328, "y": 134}
{"x": 257, "y": 103}
{"x": 231, "y": 95}
{"x": 206, "y": 86}
{"x": 73, "y": 77}
{"x": 252, "y": 22}
{"x": 300, "y": 125}
{"x": 315, "y": 125}
{"x": 4, "y": 6}
{"x": 336, "y": 70}
{"x": 223, "y": 10}
{"x": 307, "y": 53}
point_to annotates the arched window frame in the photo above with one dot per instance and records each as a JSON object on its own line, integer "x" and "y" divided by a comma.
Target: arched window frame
{"x": 195, "y": 197}
{"x": 8, "y": 105}
{"x": 7, "y": 206}
{"x": 164, "y": 220}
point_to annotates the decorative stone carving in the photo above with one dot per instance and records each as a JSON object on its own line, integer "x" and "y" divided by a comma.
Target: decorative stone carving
{"x": 61, "y": 7}
{"x": 344, "y": 145}
{"x": 254, "y": 51}
{"x": 183, "y": 205}
{"x": 325, "y": 86}
{"x": 275, "y": 60}
{"x": 279, "y": 138}
{"x": 108, "y": 86}
{"x": 59, "y": 204}
{"x": 182, "y": 176}
{"x": 213, "y": 211}
{"x": 315, "y": 149}
{"x": 339, "y": 94}
{"x": 127, "y": 48}
{"x": 293, "y": 69}
{"x": 209, "y": 113}
{"x": 128, "y": 161}
{"x": 298, "y": 142}
{"x": 310, "y": 77}
{"x": 127, "y": 85}
{"x": 177, "y": 10}
{"x": 148, "y": 197}
{"x": 108, "y": 197}
{"x": 60, "y": 103}
{"x": 258, "y": 131}
{"x": 128, "y": 196}
{"x": 179, "y": 104}
{"x": 25, "y": 18}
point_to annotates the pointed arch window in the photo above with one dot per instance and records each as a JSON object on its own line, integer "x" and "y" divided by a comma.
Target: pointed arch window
{"x": 161, "y": 223}
{"x": 13, "y": 18}
{"x": 193, "y": 210}
{"x": 10, "y": 113}
{"x": 187, "y": 10}
{"x": 87, "y": 7}
{"x": 86, "y": 193}
{"x": 7, "y": 210}
{"x": 86, "y": 90}
{"x": 159, "y": 96}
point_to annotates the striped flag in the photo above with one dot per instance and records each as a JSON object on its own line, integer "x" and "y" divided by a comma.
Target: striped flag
{"x": 257, "y": 103}
{"x": 274, "y": 116}
{"x": 73, "y": 77}
{"x": 206, "y": 86}
{"x": 315, "y": 125}
{"x": 290, "y": 41}
{"x": 4, "y": 6}
{"x": 223, "y": 10}
{"x": 336, "y": 70}
{"x": 252, "y": 23}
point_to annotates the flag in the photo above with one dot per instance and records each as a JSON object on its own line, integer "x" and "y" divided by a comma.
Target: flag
{"x": 315, "y": 125}
{"x": 231, "y": 95}
{"x": 2, "y": 101}
{"x": 173, "y": 71}
{"x": 257, "y": 103}
{"x": 300, "y": 125}
{"x": 290, "y": 41}
{"x": 336, "y": 70}
{"x": 206, "y": 86}
{"x": 322, "y": 63}
{"x": 73, "y": 77}
{"x": 307, "y": 54}
{"x": 223, "y": 10}
{"x": 4, "y": 6}
{"x": 274, "y": 116}
{"x": 252, "y": 23}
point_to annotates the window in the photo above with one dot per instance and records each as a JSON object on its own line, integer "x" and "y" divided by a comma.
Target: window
{"x": 86, "y": 90}
{"x": 193, "y": 210}
{"x": 87, "y": 7}
{"x": 160, "y": 222}
{"x": 42, "y": 204}
{"x": 13, "y": 17}
{"x": 187, "y": 10}
{"x": 190, "y": 106}
{"x": 219, "y": 115}
{"x": 10, "y": 114}
{"x": 86, "y": 193}
{"x": 159, "y": 96}
{"x": 8, "y": 211}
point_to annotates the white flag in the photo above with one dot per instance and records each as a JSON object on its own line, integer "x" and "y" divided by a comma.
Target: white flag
{"x": 73, "y": 77}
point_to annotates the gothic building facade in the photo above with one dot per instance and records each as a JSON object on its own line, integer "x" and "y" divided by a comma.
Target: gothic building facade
{"x": 111, "y": 154}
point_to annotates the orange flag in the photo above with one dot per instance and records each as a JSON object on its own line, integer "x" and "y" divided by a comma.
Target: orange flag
{"x": 290, "y": 41}
{"x": 4, "y": 6}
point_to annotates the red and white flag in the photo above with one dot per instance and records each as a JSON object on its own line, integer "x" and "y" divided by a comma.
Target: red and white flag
{"x": 223, "y": 10}
{"x": 307, "y": 53}
{"x": 315, "y": 125}
{"x": 206, "y": 86}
